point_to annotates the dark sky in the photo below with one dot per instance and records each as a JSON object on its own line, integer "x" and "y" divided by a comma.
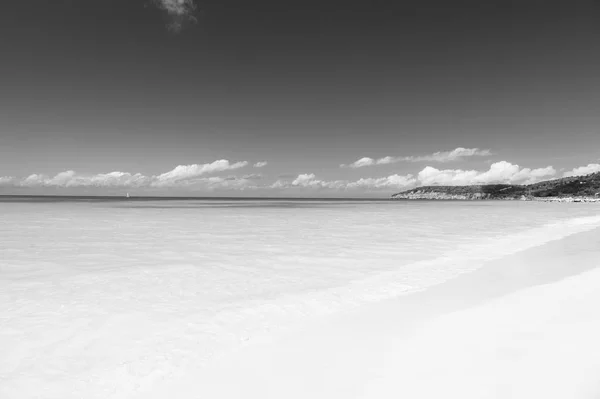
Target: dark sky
{"x": 99, "y": 86}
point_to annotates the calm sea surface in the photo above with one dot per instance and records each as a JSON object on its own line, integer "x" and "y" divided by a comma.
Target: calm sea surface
{"x": 100, "y": 290}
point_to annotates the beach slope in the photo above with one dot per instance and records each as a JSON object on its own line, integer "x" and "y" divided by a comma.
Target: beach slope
{"x": 522, "y": 326}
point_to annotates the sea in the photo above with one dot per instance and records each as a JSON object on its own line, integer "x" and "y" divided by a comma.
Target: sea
{"x": 100, "y": 296}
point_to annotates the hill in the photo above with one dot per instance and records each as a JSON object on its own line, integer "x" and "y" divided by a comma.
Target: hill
{"x": 577, "y": 187}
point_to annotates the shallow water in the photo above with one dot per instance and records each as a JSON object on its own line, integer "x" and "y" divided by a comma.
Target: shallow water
{"x": 111, "y": 295}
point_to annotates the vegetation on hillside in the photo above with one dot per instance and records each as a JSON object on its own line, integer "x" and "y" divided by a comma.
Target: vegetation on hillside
{"x": 579, "y": 186}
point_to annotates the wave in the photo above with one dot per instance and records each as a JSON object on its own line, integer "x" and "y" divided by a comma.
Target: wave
{"x": 246, "y": 323}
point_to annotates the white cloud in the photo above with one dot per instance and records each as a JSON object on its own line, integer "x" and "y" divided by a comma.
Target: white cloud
{"x": 304, "y": 179}
{"x": 499, "y": 172}
{"x": 7, "y": 180}
{"x": 309, "y": 180}
{"x": 177, "y": 7}
{"x": 260, "y": 164}
{"x": 180, "y": 11}
{"x": 387, "y": 160}
{"x": 198, "y": 177}
{"x": 61, "y": 179}
{"x": 180, "y": 176}
{"x": 529, "y": 176}
{"x": 190, "y": 172}
{"x": 71, "y": 179}
{"x": 33, "y": 180}
{"x": 440, "y": 156}
{"x": 120, "y": 179}
{"x": 280, "y": 184}
{"x": 448, "y": 156}
{"x": 583, "y": 170}
{"x": 365, "y": 161}
{"x": 393, "y": 181}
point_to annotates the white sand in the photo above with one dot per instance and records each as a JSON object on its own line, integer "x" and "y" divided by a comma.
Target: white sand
{"x": 105, "y": 302}
{"x": 525, "y": 326}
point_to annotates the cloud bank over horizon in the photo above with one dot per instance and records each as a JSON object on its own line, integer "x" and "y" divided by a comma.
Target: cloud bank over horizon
{"x": 202, "y": 177}
{"x": 181, "y": 176}
{"x": 440, "y": 156}
{"x": 310, "y": 181}
{"x": 500, "y": 172}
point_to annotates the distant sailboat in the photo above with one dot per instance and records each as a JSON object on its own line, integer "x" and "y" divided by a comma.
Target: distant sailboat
{"x": 127, "y": 195}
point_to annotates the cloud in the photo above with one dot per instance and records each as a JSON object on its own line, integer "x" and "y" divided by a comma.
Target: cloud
{"x": 529, "y": 176}
{"x": 33, "y": 180}
{"x": 304, "y": 179}
{"x": 202, "y": 177}
{"x": 365, "y": 161}
{"x": 279, "y": 183}
{"x": 7, "y": 180}
{"x": 440, "y": 156}
{"x": 449, "y": 177}
{"x": 190, "y": 172}
{"x": 448, "y": 156}
{"x": 583, "y": 170}
{"x": 393, "y": 181}
{"x": 116, "y": 179}
{"x": 499, "y": 172}
{"x": 310, "y": 181}
{"x": 180, "y": 176}
{"x": 387, "y": 160}
{"x": 71, "y": 179}
{"x": 260, "y": 164}
{"x": 181, "y": 12}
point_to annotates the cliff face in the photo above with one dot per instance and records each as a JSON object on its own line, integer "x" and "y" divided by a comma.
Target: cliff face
{"x": 568, "y": 187}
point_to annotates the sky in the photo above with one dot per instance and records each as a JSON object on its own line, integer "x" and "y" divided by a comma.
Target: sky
{"x": 295, "y": 98}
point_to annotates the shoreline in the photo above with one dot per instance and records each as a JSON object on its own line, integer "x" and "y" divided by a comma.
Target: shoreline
{"x": 566, "y": 199}
{"x": 576, "y": 187}
{"x": 363, "y": 353}
{"x": 463, "y": 197}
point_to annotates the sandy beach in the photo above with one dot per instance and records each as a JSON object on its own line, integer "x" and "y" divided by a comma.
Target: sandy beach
{"x": 369, "y": 300}
{"x": 522, "y": 326}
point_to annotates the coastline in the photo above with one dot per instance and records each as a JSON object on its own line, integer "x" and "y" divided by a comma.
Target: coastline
{"x": 584, "y": 188}
{"x": 566, "y": 199}
{"x": 431, "y": 196}
{"x": 495, "y": 332}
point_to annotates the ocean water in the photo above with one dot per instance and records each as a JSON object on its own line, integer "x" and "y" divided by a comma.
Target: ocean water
{"x": 100, "y": 298}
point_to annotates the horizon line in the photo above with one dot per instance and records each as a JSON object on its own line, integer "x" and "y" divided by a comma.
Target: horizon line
{"x": 133, "y": 198}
